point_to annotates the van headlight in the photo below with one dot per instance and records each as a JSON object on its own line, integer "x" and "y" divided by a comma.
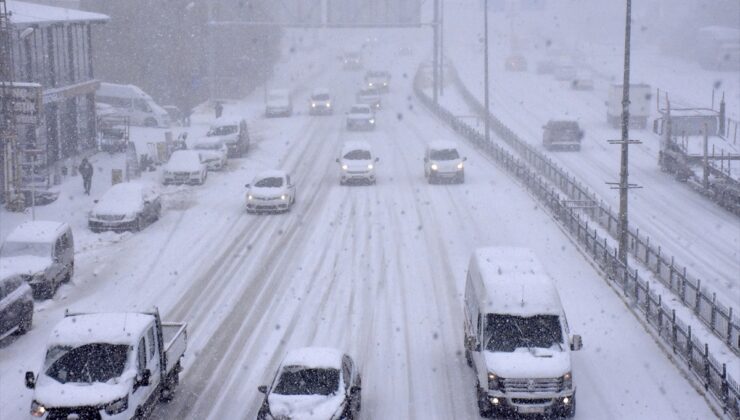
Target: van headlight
{"x": 493, "y": 381}
{"x": 283, "y": 197}
{"x": 37, "y": 409}
{"x": 460, "y": 166}
{"x": 434, "y": 166}
{"x": 568, "y": 380}
{"x": 372, "y": 120}
{"x": 117, "y": 406}
{"x": 369, "y": 166}
{"x": 313, "y": 105}
{"x": 249, "y": 197}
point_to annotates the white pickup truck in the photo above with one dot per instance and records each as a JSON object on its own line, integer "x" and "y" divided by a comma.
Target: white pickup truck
{"x": 108, "y": 365}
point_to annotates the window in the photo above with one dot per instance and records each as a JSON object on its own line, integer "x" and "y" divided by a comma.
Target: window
{"x": 150, "y": 339}
{"x": 141, "y": 105}
{"x": 141, "y": 356}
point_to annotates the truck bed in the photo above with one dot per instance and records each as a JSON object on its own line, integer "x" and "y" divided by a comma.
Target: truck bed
{"x": 175, "y": 339}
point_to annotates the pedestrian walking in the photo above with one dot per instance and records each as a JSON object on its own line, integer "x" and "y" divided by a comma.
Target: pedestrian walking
{"x": 219, "y": 109}
{"x": 186, "y": 117}
{"x": 86, "y": 170}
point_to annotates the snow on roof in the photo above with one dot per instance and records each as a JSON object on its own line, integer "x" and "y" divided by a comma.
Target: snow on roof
{"x": 123, "y": 198}
{"x": 364, "y": 106}
{"x": 224, "y": 121}
{"x": 119, "y": 90}
{"x": 273, "y": 173}
{"x": 112, "y": 328}
{"x": 37, "y": 231}
{"x": 314, "y": 357}
{"x": 694, "y": 112}
{"x": 26, "y": 14}
{"x": 442, "y": 144}
{"x": 356, "y": 145}
{"x": 516, "y": 283}
{"x": 281, "y": 92}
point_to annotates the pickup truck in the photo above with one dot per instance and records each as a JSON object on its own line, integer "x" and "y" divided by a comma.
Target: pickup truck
{"x": 108, "y": 365}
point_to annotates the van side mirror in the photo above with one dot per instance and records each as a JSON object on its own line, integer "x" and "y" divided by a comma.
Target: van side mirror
{"x": 465, "y": 158}
{"x": 581, "y": 135}
{"x": 576, "y": 343}
{"x": 30, "y": 380}
{"x": 262, "y": 389}
{"x": 471, "y": 344}
{"x": 142, "y": 379}
{"x": 377, "y": 159}
{"x": 246, "y": 185}
{"x": 336, "y": 160}
{"x": 426, "y": 159}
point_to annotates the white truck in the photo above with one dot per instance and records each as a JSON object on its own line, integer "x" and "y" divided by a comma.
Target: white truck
{"x": 108, "y": 365}
{"x": 516, "y": 336}
{"x": 640, "y": 102}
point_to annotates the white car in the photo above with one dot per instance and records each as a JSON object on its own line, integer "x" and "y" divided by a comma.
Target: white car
{"x": 234, "y": 133}
{"x": 369, "y": 96}
{"x": 378, "y": 79}
{"x": 313, "y": 383}
{"x": 357, "y": 163}
{"x": 442, "y": 161}
{"x": 321, "y": 103}
{"x": 125, "y": 206}
{"x": 278, "y": 103}
{"x": 213, "y": 152}
{"x": 271, "y": 191}
{"x": 361, "y": 117}
{"x": 185, "y": 167}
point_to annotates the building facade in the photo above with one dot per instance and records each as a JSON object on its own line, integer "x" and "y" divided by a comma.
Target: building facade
{"x": 52, "y": 49}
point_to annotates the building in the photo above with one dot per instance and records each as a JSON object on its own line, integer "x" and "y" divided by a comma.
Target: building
{"x": 51, "y": 53}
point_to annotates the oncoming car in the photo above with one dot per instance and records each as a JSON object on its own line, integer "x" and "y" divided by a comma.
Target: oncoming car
{"x": 369, "y": 96}
{"x": 313, "y": 383}
{"x": 271, "y": 191}
{"x": 360, "y": 117}
{"x": 442, "y": 161}
{"x": 320, "y": 103}
{"x": 357, "y": 163}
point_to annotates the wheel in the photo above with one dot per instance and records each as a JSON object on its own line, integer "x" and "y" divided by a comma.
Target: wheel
{"x": 468, "y": 359}
{"x": 431, "y": 179}
{"x": 137, "y": 224}
{"x": 570, "y": 413}
{"x": 484, "y": 406}
{"x": 150, "y": 122}
{"x": 461, "y": 178}
{"x": 26, "y": 322}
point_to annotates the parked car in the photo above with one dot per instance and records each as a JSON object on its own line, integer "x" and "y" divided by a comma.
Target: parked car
{"x": 516, "y": 336}
{"x": 369, "y": 96}
{"x": 442, "y": 161}
{"x": 108, "y": 366}
{"x": 129, "y": 101}
{"x": 42, "y": 252}
{"x": 185, "y": 167}
{"x": 126, "y": 206}
{"x": 562, "y": 134}
{"x": 16, "y": 305}
{"x": 271, "y": 191}
{"x": 515, "y": 62}
{"x": 379, "y": 79}
{"x": 313, "y": 382}
{"x": 360, "y": 117}
{"x": 213, "y": 152}
{"x": 234, "y": 134}
{"x": 357, "y": 163}
{"x": 278, "y": 103}
{"x": 321, "y": 103}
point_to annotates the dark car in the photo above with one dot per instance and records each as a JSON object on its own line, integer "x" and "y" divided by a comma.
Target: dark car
{"x": 16, "y": 305}
{"x": 316, "y": 382}
{"x": 126, "y": 206}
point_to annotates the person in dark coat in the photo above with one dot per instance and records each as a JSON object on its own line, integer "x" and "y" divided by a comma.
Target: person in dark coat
{"x": 219, "y": 109}
{"x": 86, "y": 170}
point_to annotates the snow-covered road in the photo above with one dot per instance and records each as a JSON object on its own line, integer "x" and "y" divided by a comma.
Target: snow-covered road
{"x": 377, "y": 271}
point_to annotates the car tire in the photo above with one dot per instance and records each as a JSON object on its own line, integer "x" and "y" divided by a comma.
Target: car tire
{"x": 26, "y": 322}
{"x": 571, "y": 412}
{"x": 461, "y": 179}
{"x": 150, "y": 122}
{"x": 484, "y": 406}
{"x": 468, "y": 359}
{"x": 138, "y": 225}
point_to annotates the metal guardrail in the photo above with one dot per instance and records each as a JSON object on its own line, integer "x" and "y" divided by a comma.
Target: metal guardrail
{"x": 711, "y": 310}
{"x": 673, "y": 331}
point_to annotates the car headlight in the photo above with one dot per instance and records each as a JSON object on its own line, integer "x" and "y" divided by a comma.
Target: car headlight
{"x": 372, "y": 120}
{"x": 568, "y": 380}
{"x": 328, "y": 104}
{"x": 117, "y": 406}
{"x": 370, "y": 84}
{"x": 460, "y": 165}
{"x": 434, "y": 166}
{"x": 345, "y": 167}
{"x": 313, "y": 105}
{"x": 369, "y": 166}
{"x": 37, "y": 409}
{"x": 249, "y": 197}
{"x": 493, "y": 381}
{"x": 283, "y": 197}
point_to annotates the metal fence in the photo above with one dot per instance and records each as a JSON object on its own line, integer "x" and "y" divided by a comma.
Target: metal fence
{"x": 711, "y": 310}
{"x": 673, "y": 331}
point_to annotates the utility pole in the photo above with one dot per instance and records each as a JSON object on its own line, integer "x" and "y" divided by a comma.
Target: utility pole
{"x": 485, "y": 71}
{"x": 435, "y": 54}
{"x": 442, "y": 49}
{"x": 8, "y": 134}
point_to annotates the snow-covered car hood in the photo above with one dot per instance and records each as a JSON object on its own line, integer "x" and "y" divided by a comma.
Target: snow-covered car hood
{"x": 210, "y": 155}
{"x": 180, "y": 166}
{"x": 446, "y": 165}
{"x": 51, "y": 393}
{"x": 305, "y": 407}
{"x": 264, "y": 192}
{"x": 227, "y": 138}
{"x": 360, "y": 116}
{"x": 521, "y": 363}
{"x": 278, "y": 103}
{"x": 24, "y": 264}
{"x": 116, "y": 207}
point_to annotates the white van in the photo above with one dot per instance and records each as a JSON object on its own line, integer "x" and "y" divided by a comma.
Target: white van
{"x": 516, "y": 336}
{"x": 131, "y": 102}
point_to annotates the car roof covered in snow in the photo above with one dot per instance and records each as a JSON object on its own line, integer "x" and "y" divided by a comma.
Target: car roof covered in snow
{"x": 112, "y": 328}
{"x": 272, "y": 173}
{"x": 320, "y": 91}
{"x": 26, "y": 14}
{"x": 124, "y": 198}
{"x": 281, "y": 92}
{"x": 363, "y": 106}
{"x": 351, "y": 145}
{"x": 515, "y": 282}
{"x": 223, "y": 122}
{"x": 314, "y": 357}
{"x": 442, "y": 145}
{"x": 38, "y": 231}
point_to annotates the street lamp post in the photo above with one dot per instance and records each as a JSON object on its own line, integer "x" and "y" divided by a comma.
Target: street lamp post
{"x": 485, "y": 71}
{"x": 624, "y": 169}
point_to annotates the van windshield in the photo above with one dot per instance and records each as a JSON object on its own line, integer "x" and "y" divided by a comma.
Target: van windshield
{"x": 443, "y": 154}
{"x": 96, "y": 362}
{"x": 222, "y": 130}
{"x": 506, "y": 333}
{"x": 15, "y": 249}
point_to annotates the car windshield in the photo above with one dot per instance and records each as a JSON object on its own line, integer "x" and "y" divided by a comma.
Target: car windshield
{"x": 207, "y": 146}
{"x": 360, "y": 110}
{"x": 270, "y": 182}
{"x": 443, "y": 154}
{"x": 358, "y": 155}
{"x": 368, "y": 92}
{"x": 96, "y": 362}
{"x": 506, "y": 333}
{"x": 222, "y": 130}
{"x": 15, "y": 249}
{"x": 301, "y": 381}
{"x": 320, "y": 97}
{"x": 276, "y": 97}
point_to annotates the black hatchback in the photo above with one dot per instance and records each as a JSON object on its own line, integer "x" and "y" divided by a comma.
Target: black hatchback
{"x": 16, "y": 306}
